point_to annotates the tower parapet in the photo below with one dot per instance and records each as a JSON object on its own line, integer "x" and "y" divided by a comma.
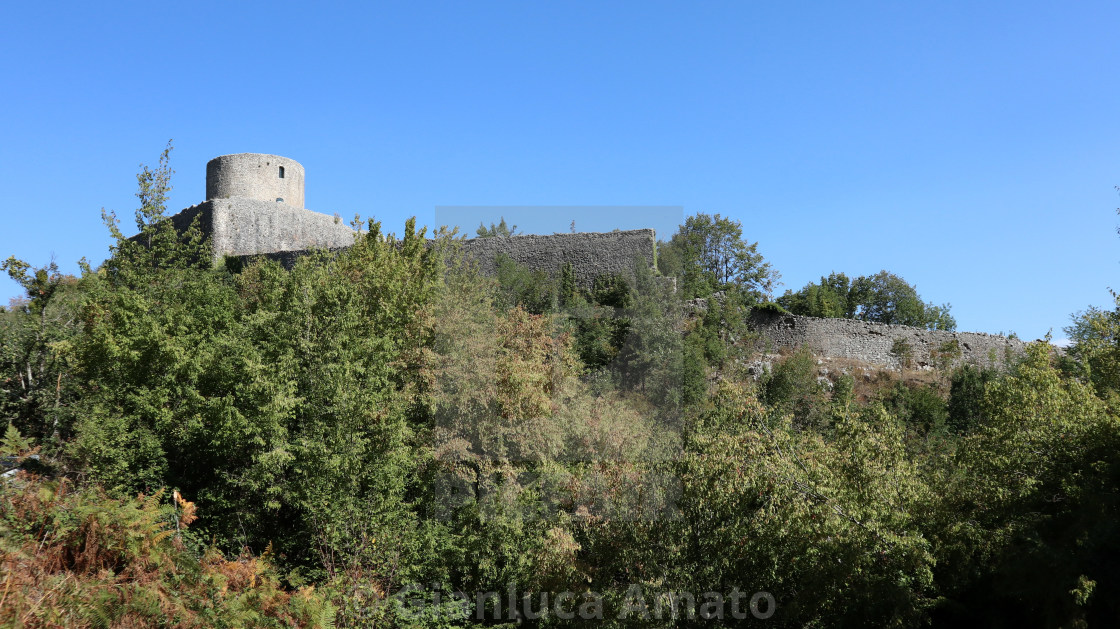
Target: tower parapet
{"x": 255, "y": 176}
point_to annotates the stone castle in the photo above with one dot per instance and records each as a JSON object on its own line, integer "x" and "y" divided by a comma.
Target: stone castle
{"x": 255, "y": 207}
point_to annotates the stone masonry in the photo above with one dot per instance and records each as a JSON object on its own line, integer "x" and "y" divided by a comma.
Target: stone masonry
{"x": 591, "y": 254}
{"x": 877, "y": 343}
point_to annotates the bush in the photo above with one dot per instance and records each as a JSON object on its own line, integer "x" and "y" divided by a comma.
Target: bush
{"x": 771, "y": 307}
{"x": 966, "y": 397}
{"x": 792, "y": 388}
{"x": 919, "y": 407}
{"x": 901, "y": 349}
{"x": 72, "y": 556}
{"x": 519, "y": 286}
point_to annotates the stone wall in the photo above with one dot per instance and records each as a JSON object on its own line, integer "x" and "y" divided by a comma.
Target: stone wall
{"x": 874, "y": 342}
{"x": 590, "y": 253}
{"x": 242, "y": 227}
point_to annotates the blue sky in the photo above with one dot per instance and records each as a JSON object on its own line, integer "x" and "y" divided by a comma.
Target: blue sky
{"x": 972, "y": 148}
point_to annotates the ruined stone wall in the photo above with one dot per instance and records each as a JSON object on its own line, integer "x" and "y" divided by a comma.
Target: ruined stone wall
{"x": 591, "y": 254}
{"x": 873, "y": 342}
{"x": 242, "y": 227}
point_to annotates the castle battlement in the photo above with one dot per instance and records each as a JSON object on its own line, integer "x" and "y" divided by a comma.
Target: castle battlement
{"x": 254, "y": 207}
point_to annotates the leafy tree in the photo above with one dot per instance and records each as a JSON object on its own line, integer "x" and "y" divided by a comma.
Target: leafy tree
{"x": 792, "y": 388}
{"x": 887, "y": 298}
{"x": 518, "y": 285}
{"x": 1029, "y": 517}
{"x": 282, "y": 400}
{"x": 567, "y": 291}
{"x": 159, "y": 243}
{"x": 650, "y": 358}
{"x": 921, "y": 408}
{"x": 829, "y": 298}
{"x": 611, "y": 290}
{"x": 1095, "y": 336}
{"x": 883, "y": 297}
{"x": 37, "y": 385}
{"x": 966, "y": 396}
{"x": 831, "y": 526}
{"x": 708, "y": 254}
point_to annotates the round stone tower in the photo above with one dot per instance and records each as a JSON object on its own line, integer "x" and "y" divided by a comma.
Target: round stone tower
{"x": 255, "y": 176}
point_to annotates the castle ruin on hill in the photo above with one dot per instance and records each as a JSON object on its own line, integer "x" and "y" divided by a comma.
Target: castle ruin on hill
{"x": 255, "y": 207}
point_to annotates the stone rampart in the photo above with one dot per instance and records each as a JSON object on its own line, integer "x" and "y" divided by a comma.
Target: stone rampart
{"x": 242, "y": 227}
{"x": 590, "y": 253}
{"x": 882, "y": 344}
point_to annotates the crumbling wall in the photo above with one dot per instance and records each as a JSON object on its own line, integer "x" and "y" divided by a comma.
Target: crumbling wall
{"x": 882, "y": 344}
{"x": 591, "y": 254}
{"x": 246, "y": 227}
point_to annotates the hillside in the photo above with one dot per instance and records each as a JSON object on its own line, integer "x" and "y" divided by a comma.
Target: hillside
{"x": 394, "y": 433}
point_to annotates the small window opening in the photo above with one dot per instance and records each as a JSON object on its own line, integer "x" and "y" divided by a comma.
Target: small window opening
{"x": 281, "y": 172}
{"x": 279, "y": 199}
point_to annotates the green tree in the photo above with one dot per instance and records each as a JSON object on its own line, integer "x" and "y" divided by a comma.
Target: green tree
{"x": 35, "y": 332}
{"x": 1095, "y": 337}
{"x": 518, "y": 285}
{"x": 1031, "y": 506}
{"x": 708, "y": 254}
{"x": 887, "y": 298}
{"x": 829, "y": 298}
{"x": 920, "y": 408}
{"x": 883, "y": 297}
{"x": 966, "y": 396}
{"x": 501, "y": 230}
{"x": 792, "y": 388}
{"x": 832, "y": 525}
{"x": 159, "y": 243}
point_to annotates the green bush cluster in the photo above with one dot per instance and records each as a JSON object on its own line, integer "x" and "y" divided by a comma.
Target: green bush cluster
{"x": 883, "y": 297}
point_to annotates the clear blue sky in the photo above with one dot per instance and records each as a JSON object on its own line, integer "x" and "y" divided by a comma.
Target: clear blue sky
{"x": 970, "y": 147}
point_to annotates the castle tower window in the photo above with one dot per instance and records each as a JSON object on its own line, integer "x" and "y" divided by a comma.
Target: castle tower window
{"x": 281, "y": 172}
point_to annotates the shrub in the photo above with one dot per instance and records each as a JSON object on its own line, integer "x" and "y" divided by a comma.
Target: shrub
{"x": 72, "y": 556}
{"x": 902, "y": 350}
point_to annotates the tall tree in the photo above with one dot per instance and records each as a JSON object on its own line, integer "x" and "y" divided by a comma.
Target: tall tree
{"x": 709, "y": 254}
{"x": 829, "y": 298}
{"x": 1095, "y": 334}
{"x": 887, "y": 298}
{"x": 883, "y": 297}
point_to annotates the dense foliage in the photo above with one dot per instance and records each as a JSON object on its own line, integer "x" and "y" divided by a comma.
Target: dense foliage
{"x": 709, "y": 254}
{"x": 883, "y": 297}
{"x": 74, "y": 557}
{"x": 375, "y": 431}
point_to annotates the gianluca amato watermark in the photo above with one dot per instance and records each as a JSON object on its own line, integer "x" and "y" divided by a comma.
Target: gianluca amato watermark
{"x": 638, "y": 603}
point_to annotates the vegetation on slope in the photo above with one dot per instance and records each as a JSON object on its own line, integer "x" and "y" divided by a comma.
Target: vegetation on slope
{"x": 381, "y": 437}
